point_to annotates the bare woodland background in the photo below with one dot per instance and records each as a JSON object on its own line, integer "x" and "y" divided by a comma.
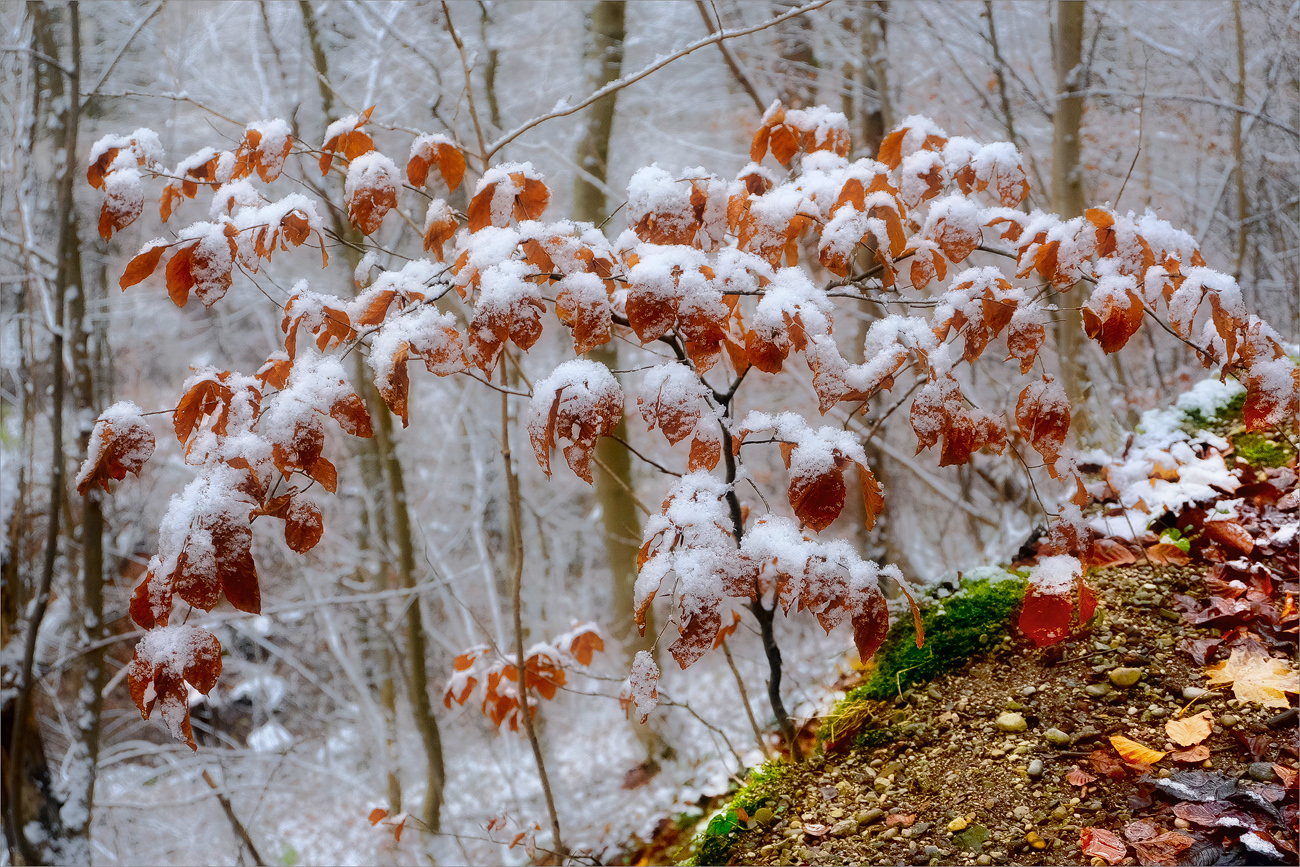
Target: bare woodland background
{"x": 1191, "y": 109}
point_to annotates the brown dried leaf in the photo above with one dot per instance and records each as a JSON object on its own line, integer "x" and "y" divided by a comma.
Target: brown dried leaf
{"x": 1190, "y": 731}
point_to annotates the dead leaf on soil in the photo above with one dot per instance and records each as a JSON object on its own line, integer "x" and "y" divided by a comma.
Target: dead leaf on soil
{"x": 1100, "y": 843}
{"x": 1256, "y": 677}
{"x": 1193, "y": 756}
{"x": 904, "y": 819}
{"x": 1079, "y": 777}
{"x": 1190, "y": 731}
{"x": 1134, "y": 752}
{"x": 1163, "y": 850}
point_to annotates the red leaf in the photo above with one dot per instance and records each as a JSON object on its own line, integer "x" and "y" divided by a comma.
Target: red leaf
{"x": 119, "y": 444}
{"x": 164, "y": 660}
{"x": 144, "y": 264}
{"x": 1100, "y": 843}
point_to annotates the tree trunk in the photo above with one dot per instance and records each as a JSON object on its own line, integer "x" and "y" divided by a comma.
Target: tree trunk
{"x": 90, "y": 672}
{"x": 1068, "y": 201}
{"x": 27, "y": 773}
{"x": 384, "y": 456}
{"x": 878, "y": 117}
{"x": 1237, "y": 147}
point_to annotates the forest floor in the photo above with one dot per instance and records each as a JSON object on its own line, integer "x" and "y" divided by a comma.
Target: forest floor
{"x": 1008, "y": 757}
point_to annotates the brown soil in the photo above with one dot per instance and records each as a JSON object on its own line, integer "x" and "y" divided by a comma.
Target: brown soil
{"x": 954, "y": 769}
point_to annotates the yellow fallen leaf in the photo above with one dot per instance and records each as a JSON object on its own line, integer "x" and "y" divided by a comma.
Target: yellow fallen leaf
{"x": 1256, "y": 677}
{"x": 1132, "y": 751}
{"x": 1190, "y": 731}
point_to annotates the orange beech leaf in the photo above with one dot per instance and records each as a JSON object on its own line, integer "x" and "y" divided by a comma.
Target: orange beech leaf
{"x": 303, "y": 526}
{"x": 1025, "y": 336}
{"x": 1190, "y": 731}
{"x": 505, "y": 192}
{"x": 430, "y": 149}
{"x": 1193, "y": 756}
{"x": 672, "y": 399}
{"x": 585, "y": 644}
{"x": 582, "y": 304}
{"x": 1230, "y": 535}
{"x": 144, "y": 264}
{"x": 120, "y": 443}
{"x": 1165, "y": 554}
{"x": 370, "y": 191}
{"x": 344, "y": 136}
{"x": 165, "y": 659}
{"x": 206, "y": 396}
{"x": 1113, "y": 313}
{"x": 1135, "y": 753}
{"x": 580, "y": 402}
{"x": 377, "y": 814}
{"x": 706, "y": 448}
{"x": 440, "y": 226}
{"x": 1043, "y": 414}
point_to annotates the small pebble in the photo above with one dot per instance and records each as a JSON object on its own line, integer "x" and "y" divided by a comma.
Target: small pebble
{"x": 1021, "y": 812}
{"x": 870, "y": 817}
{"x": 984, "y": 860}
{"x": 958, "y": 824}
{"x": 1191, "y": 693}
{"x": 1035, "y": 769}
{"x": 1228, "y": 720}
{"x": 1011, "y": 722}
{"x": 1261, "y": 772}
{"x": 1097, "y": 690}
{"x": 1125, "y": 677}
{"x": 1182, "y": 824}
{"x": 1028, "y": 691}
{"x": 1056, "y": 737}
{"x": 1036, "y": 841}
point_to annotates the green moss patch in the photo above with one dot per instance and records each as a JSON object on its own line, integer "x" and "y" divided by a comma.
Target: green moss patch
{"x": 713, "y": 844}
{"x": 956, "y": 628}
{"x": 1260, "y": 450}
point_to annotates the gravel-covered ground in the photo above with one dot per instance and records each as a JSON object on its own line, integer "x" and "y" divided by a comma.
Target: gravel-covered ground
{"x": 980, "y": 777}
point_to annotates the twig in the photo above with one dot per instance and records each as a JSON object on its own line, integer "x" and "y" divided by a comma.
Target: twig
{"x": 240, "y": 831}
{"x": 744, "y": 698}
{"x": 736, "y": 71}
{"x": 652, "y": 68}
{"x": 469, "y": 96}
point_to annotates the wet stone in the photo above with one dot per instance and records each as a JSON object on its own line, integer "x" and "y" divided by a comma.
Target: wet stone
{"x": 1097, "y": 690}
{"x": 1035, "y": 769}
{"x": 1228, "y": 720}
{"x": 1125, "y": 677}
{"x": 1191, "y": 693}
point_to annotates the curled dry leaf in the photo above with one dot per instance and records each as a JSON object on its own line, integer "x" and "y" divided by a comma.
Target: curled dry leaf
{"x": 120, "y": 443}
{"x": 1190, "y": 731}
{"x": 579, "y": 402}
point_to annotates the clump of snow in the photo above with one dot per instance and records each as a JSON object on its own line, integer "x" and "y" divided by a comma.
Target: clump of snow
{"x": 1056, "y": 576}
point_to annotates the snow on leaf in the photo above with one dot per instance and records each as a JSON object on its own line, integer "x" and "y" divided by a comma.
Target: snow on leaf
{"x": 165, "y": 659}
{"x": 370, "y": 191}
{"x": 580, "y": 402}
{"x": 673, "y": 399}
{"x": 1190, "y": 731}
{"x": 120, "y": 443}
{"x": 344, "y": 136}
{"x": 427, "y": 150}
{"x": 643, "y": 684}
{"x": 1043, "y": 413}
{"x": 1256, "y": 677}
{"x": 1049, "y": 605}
